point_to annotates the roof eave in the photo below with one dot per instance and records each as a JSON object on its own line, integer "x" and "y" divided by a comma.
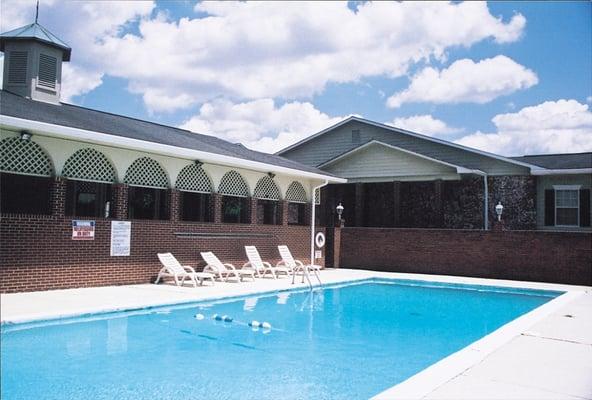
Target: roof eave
{"x": 66, "y": 132}
{"x": 566, "y": 171}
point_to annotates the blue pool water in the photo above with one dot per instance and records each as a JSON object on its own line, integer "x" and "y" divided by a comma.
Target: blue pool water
{"x": 344, "y": 342}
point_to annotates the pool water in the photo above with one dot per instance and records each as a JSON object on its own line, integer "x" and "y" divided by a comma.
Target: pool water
{"x": 344, "y": 342}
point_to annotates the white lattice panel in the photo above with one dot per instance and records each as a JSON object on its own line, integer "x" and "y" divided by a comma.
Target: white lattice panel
{"x": 146, "y": 172}
{"x": 89, "y": 165}
{"x": 233, "y": 184}
{"x": 193, "y": 178}
{"x": 267, "y": 189}
{"x": 296, "y": 193}
{"x": 24, "y": 157}
{"x": 317, "y": 196}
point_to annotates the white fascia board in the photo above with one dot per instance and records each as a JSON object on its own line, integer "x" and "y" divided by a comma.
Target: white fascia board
{"x": 417, "y": 135}
{"x": 66, "y": 132}
{"x": 459, "y": 169}
{"x": 572, "y": 171}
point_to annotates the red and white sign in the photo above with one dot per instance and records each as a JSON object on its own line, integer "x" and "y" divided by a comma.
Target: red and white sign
{"x": 83, "y": 230}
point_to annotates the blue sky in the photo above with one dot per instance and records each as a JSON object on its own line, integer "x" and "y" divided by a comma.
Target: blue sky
{"x": 508, "y": 77}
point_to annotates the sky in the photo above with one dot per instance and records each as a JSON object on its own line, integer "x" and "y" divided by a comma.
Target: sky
{"x": 511, "y": 78}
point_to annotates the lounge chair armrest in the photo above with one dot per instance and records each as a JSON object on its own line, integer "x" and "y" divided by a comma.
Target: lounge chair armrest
{"x": 281, "y": 264}
{"x": 248, "y": 265}
{"x": 209, "y": 268}
{"x": 230, "y": 266}
{"x": 189, "y": 269}
{"x": 299, "y": 263}
{"x": 268, "y": 265}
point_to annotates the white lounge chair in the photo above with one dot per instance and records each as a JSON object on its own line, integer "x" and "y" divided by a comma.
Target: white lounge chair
{"x": 262, "y": 267}
{"x": 289, "y": 261}
{"x": 172, "y": 268}
{"x": 221, "y": 270}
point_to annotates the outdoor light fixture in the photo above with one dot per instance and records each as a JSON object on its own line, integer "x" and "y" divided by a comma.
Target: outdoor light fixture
{"x": 25, "y": 136}
{"x": 498, "y": 210}
{"x": 198, "y": 163}
{"x": 271, "y": 175}
{"x": 339, "y": 209}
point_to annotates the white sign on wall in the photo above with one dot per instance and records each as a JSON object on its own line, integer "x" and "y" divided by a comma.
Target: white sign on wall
{"x": 121, "y": 235}
{"x": 318, "y": 254}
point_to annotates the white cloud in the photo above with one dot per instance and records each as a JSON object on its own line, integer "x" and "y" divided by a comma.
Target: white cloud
{"x": 251, "y": 50}
{"x": 424, "y": 124}
{"x": 466, "y": 82}
{"x": 260, "y": 124}
{"x": 563, "y": 126}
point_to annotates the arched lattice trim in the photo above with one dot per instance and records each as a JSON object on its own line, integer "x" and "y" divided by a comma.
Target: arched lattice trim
{"x": 89, "y": 165}
{"x": 193, "y": 178}
{"x": 317, "y": 195}
{"x": 146, "y": 172}
{"x": 233, "y": 184}
{"x": 24, "y": 157}
{"x": 296, "y": 193}
{"x": 266, "y": 189}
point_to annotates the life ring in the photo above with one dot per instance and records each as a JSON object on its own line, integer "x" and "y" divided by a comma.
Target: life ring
{"x": 320, "y": 240}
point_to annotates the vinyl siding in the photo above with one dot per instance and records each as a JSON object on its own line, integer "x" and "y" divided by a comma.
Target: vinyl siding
{"x": 377, "y": 160}
{"x": 338, "y": 141}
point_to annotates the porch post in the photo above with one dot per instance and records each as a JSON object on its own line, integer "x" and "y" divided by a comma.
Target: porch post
{"x": 359, "y": 210}
{"x": 396, "y": 204}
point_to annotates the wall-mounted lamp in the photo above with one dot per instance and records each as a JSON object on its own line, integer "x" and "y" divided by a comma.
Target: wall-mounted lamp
{"x": 198, "y": 163}
{"x": 339, "y": 209}
{"x": 26, "y": 136}
{"x": 499, "y": 209}
{"x": 271, "y": 175}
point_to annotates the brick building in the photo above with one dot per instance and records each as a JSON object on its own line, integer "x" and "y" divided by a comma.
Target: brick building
{"x": 64, "y": 166}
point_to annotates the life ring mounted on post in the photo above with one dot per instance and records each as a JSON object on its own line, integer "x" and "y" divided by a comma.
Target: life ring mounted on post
{"x": 320, "y": 240}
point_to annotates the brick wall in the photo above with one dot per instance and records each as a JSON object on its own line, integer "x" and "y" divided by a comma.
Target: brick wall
{"x": 37, "y": 252}
{"x": 560, "y": 257}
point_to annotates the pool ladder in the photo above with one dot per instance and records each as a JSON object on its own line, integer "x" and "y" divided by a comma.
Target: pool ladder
{"x": 306, "y": 274}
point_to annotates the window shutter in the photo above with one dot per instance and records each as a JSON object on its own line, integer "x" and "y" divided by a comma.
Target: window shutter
{"x": 584, "y": 207}
{"x": 17, "y": 67}
{"x": 549, "y": 207}
{"x": 47, "y": 71}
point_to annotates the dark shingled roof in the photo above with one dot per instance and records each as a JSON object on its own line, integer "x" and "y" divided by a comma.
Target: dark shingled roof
{"x": 559, "y": 161}
{"x": 84, "y": 118}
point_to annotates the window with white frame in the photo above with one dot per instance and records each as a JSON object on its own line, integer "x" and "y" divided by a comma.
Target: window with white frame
{"x": 567, "y": 205}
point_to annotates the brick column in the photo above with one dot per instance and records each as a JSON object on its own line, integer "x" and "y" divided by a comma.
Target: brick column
{"x": 359, "y": 210}
{"x": 336, "y": 247}
{"x": 58, "y": 197}
{"x": 396, "y": 204}
{"x": 119, "y": 209}
{"x": 216, "y": 207}
{"x": 284, "y": 212}
{"x": 253, "y": 210}
{"x": 175, "y": 205}
{"x": 438, "y": 209}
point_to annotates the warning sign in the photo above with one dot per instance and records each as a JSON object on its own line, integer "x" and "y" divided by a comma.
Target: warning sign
{"x": 83, "y": 230}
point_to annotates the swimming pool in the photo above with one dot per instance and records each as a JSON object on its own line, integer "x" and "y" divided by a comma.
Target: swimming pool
{"x": 347, "y": 341}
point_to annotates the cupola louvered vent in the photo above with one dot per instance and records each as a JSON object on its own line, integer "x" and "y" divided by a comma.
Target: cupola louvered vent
{"x": 17, "y": 67}
{"x": 47, "y": 71}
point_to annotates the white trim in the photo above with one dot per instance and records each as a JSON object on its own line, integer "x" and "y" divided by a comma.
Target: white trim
{"x": 570, "y": 171}
{"x": 417, "y": 135}
{"x": 567, "y": 187}
{"x": 66, "y": 132}
{"x": 459, "y": 169}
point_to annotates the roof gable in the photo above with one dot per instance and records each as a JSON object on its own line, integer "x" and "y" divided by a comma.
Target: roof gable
{"x": 420, "y": 144}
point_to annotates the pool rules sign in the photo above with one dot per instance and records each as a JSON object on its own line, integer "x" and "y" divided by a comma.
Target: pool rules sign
{"x": 121, "y": 235}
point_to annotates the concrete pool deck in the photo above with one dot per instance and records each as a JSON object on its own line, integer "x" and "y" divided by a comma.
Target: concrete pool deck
{"x": 544, "y": 354}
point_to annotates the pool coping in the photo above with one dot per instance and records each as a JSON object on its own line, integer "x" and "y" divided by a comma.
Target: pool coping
{"x": 416, "y": 386}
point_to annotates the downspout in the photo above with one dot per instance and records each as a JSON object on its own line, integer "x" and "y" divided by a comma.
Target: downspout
{"x": 485, "y": 198}
{"x": 312, "y": 222}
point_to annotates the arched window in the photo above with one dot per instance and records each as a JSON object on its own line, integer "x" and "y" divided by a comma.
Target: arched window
{"x": 235, "y": 202}
{"x": 89, "y": 189}
{"x": 268, "y": 205}
{"x": 195, "y": 194}
{"x": 25, "y": 177}
{"x": 296, "y": 197}
{"x": 148, "y": 194}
